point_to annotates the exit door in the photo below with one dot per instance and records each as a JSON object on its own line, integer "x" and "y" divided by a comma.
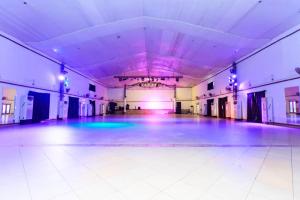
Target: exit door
{"x": 222, "y": 107}
{"x": 254, "y": 106}
{"x": 210, "y": 103}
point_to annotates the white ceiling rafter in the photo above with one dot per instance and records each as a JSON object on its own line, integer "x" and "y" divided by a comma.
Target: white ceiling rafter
{"x": 191, "y": 37}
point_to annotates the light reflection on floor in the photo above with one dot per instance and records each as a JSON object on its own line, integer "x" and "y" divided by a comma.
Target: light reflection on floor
{"x": 149, "y": 157}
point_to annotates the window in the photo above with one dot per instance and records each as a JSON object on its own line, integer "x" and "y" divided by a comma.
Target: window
{"x": 210, "y": 86}
{"x": 293, "y": 107}
{"x": 92, "y": 88}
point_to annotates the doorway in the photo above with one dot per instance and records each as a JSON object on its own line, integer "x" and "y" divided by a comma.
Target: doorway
{"x": 222, "y": 107}
{"x": 210, "y": 103}
{"x": 41, "y": 106}
{"x": 254, "y": 110}
{"x": 93, "y": 103}
{"x": 73, "y": 110}
{"x": 178, "y": 107}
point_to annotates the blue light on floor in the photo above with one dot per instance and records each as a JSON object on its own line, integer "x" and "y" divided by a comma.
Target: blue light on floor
{"x": 105, "y": 125}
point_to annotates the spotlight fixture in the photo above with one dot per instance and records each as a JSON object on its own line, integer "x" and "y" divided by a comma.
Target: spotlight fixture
{"x": 61, "y": 77}
{"x": 55, "y": 50}
{"x": 177, "y": 79}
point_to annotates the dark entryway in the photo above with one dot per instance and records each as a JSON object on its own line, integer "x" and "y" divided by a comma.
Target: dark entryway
{"x": 178, "y": 107}
{"x": 41, "y": 106}
{"x": 222, "y": 107}
{"x": 254, "y": 112}
{"x": 73, "y": 110}
{"x": 210, "y": 102}
{"x": 93, "y": 103}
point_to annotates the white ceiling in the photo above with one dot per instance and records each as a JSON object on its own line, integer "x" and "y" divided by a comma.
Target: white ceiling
{"x": 103, "y": 38}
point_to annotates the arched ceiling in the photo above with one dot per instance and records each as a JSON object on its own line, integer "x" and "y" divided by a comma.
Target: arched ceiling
{"x": 102, "y": 38}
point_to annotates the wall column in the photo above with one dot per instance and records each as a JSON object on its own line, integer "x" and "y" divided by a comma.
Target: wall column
{"x": 61, "y": 83}
{"x": 124, "y": 98}
{"x": 61, "y": 92}
{"x": 174, "y": 99}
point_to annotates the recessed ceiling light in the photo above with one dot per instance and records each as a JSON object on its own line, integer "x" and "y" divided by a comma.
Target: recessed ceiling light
{"x": 55, "y": 50}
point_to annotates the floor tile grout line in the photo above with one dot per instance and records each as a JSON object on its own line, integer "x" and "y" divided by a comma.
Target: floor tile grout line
{"x": 61, "y": 175}
{"x": 211, "y": 185}
{"x": 259, "y": 170}
{"x": 25, "y": 173}
{"x": 165, "y": 188}
{"x": 92, "y": 170}
{"x": 293, "y": 186}
{"x": 162, "y": 190}
{"x": 159, "y": 190}
{"x": 225, "y": 172}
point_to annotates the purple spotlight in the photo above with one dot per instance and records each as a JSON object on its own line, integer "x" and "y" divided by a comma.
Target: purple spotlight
{"x": 55, "y": 50}
{"x": 235, "y": 84}
{"x": 234, "y": 76}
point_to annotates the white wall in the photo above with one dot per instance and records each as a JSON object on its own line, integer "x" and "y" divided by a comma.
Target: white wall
{"x": 152, "y": 98}
{"x": 271, "y": 65}
{"x": 20, "y": 66}
{"x": 184, "y": 95}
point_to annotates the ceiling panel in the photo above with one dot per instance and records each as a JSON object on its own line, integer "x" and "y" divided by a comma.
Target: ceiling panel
{"x": 193, "y": 38}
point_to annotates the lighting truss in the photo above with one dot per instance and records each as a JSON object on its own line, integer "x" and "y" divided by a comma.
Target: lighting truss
{"x": 148, "y": 78}
{"x": 150, "y": 84}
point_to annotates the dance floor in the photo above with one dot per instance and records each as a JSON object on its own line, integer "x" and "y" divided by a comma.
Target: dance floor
{"x": 155, "y": 157}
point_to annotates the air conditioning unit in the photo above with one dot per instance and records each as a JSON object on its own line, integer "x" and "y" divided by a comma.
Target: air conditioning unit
{"x": 267, "y": 110}
{"x": 102, "y": 109}
{"x": 90, "y": 110}
{"x": 63, "y": 109}
{"x": 228, "y": 88}
{"x": 26, "y": 108}
{"x": 228, "y": 110}
{"x": 238, "y": 112}
{"x": 204, "y": 109}
{"x": 83, "y": 109}
{"x": 214, "y": 110}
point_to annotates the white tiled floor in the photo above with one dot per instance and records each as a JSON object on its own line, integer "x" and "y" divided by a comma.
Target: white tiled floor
{"x": 160, "y": 173}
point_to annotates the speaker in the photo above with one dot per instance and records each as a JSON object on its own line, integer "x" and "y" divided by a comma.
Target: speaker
{"x": 297, "y": 69}
{"x": 178, "y": 107}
